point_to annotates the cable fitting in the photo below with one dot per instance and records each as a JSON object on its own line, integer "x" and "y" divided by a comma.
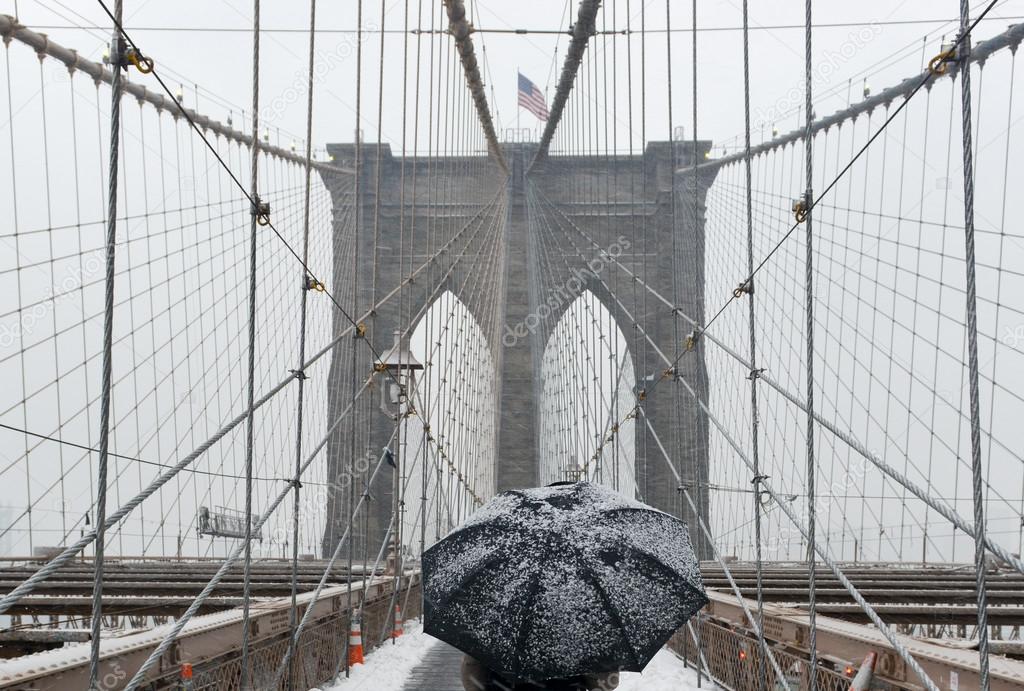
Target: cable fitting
{"x": 130, "y": 56}
{"x": 758, "y": 479}
{"x": 747, "y": 287}
{"x": 261, "y": 210}
{"x": 360, "y": 330}
{"x": 950, "y": 52}
{"x": 801, "y": 207}
{"x": 311, "y": 283}
{"x": 142, "y": 63}
{"x": 298, "y": 374}
{"x": 755, "y": 374}
{"x": 692, "y": 339}
{"x": 295, "y": 483}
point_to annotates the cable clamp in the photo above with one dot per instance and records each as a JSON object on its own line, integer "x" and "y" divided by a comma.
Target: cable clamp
{"x": 758, "y": 479}
{"x": 261, "y": 210}
{"x": 298, "y": 374}
{"x": 746, "y": 287}
{"x": 755, "y": 374}
{"x": 950, "y": 52}
{"x": 312, "y": 284}
{"x": 801, "y": 207}
{"x": 142, "y": 63}
{"x": 692, "y": 339}
{"x": 118, "y": 57}
{"x": 641, "y": 395}
{"x": 360, "y": 330}
{"x": 295, "y": 483}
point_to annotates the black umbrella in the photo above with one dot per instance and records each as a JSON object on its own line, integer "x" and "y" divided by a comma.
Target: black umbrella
{"x": 561, "y": 581}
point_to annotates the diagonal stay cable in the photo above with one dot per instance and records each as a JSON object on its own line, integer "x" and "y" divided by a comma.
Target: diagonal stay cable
{"x": 944, "y": 510}
{"x": 755, "y": 622}
{"x": 64, "y": 557}
{"x": 925, "y": 79}
{"x": 923, "y": 82}
{"x": 179, "y": 625}
{"x": 823, "y": 552}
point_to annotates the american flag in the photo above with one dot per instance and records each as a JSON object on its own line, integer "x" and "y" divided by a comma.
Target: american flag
{"x": 531, "y": 98}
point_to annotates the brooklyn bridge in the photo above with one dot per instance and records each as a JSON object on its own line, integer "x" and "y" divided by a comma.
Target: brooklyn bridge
{"x": 250, "y": 376}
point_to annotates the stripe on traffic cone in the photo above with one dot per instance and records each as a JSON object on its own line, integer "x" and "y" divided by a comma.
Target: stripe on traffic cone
{"x": 399, "y": 626}
{"x": 355, "y": 644}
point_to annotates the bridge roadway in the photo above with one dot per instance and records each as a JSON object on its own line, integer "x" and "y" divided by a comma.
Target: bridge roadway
{"x": 933, "y": 600}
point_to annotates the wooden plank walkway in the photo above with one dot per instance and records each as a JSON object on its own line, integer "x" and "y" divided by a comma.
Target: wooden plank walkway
{"x": 440, "y": 670}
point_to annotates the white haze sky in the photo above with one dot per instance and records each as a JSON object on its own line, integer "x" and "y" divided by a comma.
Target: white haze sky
{"x": 882, "y": 43}
{"x": 220, "y": 62}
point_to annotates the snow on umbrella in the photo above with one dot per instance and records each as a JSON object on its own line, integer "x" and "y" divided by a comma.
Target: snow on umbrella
{"x": 561, "y": 581}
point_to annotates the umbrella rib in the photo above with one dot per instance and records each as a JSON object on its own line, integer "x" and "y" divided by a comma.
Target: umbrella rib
{"x": 665, "y": 568}
{"x": 441, "y": 601}
{"x": 531, "y": 597}
{"x": 612, "y": 610}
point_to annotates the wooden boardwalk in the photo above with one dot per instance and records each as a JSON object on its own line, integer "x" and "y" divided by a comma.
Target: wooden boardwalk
{"x": 440, "y": 670}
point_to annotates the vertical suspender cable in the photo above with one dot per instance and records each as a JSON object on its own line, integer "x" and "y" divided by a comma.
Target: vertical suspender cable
{"x": 676, "y": 394}
{"x": 299, "y": 374}
{"x": 353, "y": 375}
{"x": 755, "y": 450}
{"x": 972, "y": 344}
{"x": 251, "y": 394}
{"x": 809, "y": 278}
{"x": 695, "y": 630}
{"x": 108, "y": 330}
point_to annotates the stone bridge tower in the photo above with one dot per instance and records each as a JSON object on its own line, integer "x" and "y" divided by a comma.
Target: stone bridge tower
{"x": 640, "y": 198}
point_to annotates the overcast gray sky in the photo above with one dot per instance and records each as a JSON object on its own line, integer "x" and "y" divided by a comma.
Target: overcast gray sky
{"x": 206, "y": 47}
{"x": 875, "y": 44}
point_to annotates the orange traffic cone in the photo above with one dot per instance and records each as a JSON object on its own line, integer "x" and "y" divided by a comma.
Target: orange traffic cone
{"x": 862, "y": 681}
{"x": 399, "y": 626}
{"x": 355, "y": 644}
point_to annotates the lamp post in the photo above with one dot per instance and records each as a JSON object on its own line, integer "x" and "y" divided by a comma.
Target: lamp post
{"x": 399, "y": 365}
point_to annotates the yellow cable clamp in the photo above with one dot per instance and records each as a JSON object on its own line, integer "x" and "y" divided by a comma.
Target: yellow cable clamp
{"x": 800, "y": 209}
{"x": 691, "y": 340}
{"x": 939, "y": 65}
{"x": 142, "y": 63}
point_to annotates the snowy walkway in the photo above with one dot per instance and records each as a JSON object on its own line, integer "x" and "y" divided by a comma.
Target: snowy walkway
{"x": 420, "y": 663}
{"x": 440, "y": 670}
